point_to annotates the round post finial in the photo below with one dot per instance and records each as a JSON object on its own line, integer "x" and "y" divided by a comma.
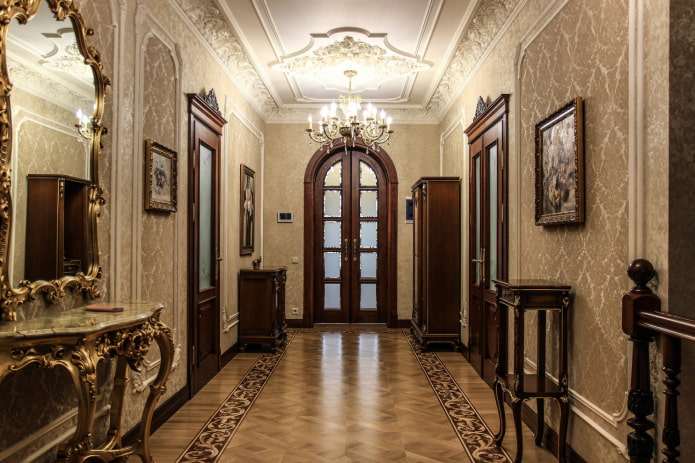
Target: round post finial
{"x": 641, "y": 271}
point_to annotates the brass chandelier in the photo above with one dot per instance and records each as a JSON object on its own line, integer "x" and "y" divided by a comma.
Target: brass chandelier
{"x": 373, "y": 129}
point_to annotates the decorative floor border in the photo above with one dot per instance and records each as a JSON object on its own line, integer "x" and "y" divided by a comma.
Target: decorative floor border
{"x": 214, "y": 437}
{"x": 471, "y": 429}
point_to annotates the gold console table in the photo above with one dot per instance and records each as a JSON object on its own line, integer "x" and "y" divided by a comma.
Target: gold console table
{"x": 78, "y": 340}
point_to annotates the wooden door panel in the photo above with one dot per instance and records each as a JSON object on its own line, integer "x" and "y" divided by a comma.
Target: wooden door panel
{"x": 350, "y": 272}
{"x": 205, "y": 132}
{"x": 487, "y": 232}
{"x": 206, "y": 344}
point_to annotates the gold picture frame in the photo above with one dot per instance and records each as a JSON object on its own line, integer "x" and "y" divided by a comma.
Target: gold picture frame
{"x": 247, "y": 210}
{"x": 160, "y": 177}
{"x": 560, "y": 166}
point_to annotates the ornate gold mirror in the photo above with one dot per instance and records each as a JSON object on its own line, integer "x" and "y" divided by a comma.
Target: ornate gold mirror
{"x": 50, "y": 137}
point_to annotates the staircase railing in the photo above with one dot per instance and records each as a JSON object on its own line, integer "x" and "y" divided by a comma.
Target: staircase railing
{"x": 643, "y": 321}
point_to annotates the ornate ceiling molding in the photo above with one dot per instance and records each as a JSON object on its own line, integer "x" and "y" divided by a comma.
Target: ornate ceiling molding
{"x": 50, "y": 89}
{"x": 329, "y": 55}
{"x": 209, "y": 21}
{"x": 479, "y": 35}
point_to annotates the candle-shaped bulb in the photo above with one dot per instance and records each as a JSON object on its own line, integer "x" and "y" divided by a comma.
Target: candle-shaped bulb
{"x": 310, "y": 121}
{"x": 388, "y": 123}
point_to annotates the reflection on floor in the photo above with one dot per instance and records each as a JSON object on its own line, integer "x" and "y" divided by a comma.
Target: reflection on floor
{"x": 339, "y": 393}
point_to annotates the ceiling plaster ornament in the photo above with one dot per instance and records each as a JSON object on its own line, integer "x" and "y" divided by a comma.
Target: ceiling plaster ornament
{"x": 327, "y": 63}
{"x": 37, "y": 83}
{"x": 484, "y": 26}
{"x": 208, "y": 19}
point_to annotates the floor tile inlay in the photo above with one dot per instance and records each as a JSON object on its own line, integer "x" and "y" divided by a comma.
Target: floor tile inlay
{"x": 474, "y": 434}
{"x": 344, "y": 394}
{"x": 214, "y": 437}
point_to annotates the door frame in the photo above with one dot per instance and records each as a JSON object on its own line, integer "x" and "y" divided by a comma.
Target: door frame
{"x": 391, "y": 277}
{"x": 495, "y": 117}
{"x": 200, "y": 112}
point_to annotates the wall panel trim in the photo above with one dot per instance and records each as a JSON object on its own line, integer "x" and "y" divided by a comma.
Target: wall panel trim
{"x": 534, "y": 31}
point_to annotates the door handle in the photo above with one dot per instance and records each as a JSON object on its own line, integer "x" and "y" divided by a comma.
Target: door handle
{"x": 481, "y": 261}
{"x": 354, "y": 249}
{"x": 346, "y": 249}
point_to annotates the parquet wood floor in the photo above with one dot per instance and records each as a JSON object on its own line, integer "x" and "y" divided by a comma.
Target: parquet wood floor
{"x": 340, "y": 394}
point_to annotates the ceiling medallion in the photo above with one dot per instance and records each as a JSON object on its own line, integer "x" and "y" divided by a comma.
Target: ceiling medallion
{"x": 326, "y": 61}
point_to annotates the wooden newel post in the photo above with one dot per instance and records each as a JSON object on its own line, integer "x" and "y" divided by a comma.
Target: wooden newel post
{"x": 640, "y": 402}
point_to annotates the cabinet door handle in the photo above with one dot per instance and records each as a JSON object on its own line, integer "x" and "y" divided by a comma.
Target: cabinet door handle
{"x": 354, "y": 249}
{"x": 346, "y": 250}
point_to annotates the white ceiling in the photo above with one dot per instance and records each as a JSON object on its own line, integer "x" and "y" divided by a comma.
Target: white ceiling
{"x": 300, "y": 48}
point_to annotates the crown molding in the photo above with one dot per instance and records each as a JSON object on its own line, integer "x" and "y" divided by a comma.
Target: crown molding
{"x": 484, "y": 26}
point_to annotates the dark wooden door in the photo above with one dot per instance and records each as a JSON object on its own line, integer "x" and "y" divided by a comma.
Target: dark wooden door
{"x": 204, "y": 243}
{"x": 487, "y": 233}
{"x": 350, "y": 220}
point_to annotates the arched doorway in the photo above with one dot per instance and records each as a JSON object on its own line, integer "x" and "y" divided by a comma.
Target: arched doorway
{"x": 350, "y": 211}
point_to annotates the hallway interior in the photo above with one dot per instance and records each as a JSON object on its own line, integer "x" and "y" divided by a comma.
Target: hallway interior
{"x": 341, "y": 393}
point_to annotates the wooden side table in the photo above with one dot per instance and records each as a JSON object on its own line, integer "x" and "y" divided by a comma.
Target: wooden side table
{"x": 523, "y": 296}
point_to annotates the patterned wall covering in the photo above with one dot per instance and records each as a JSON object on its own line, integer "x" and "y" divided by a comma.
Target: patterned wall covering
{"x": 580, "y": 51}
{"x": 567, "y": 50}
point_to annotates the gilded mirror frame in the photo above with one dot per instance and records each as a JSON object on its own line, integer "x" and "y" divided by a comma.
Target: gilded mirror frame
{"x": 85, "y": 282}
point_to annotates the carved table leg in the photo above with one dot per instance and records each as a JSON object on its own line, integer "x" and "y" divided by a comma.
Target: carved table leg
{"x": 516, "y": 413}
{"x": 499, "y": 401}
{"x": 562, "y": 434}
{"x": 82, "y": 369}
{"x": 162, "y": 335}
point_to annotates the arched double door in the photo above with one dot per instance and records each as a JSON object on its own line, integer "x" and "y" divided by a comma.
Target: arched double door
{"x": 350, "y": 214}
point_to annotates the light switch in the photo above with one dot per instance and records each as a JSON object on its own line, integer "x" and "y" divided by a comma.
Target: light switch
{"x": 295, "y": 259}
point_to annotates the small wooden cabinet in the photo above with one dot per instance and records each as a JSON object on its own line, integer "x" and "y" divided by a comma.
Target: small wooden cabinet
{"x": 437, "y": 260}
{"x": 262, "y": 307}
{"x": 57, "y": 235}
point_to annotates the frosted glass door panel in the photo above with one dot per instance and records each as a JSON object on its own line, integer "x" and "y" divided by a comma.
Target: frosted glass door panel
{"x": 368, "y": 264}
{"x": 492, "y": 236}
{"x": 368, "y": 235}
{"x": 331, "y": 264}
{"x": 368, "y": 203}
{"x": 332, "y": 203}
{"x": 476, "y": 173}
{"x": 367, "y": 175}
{"x": 205, "y": 182}
{"x": 331, "y": 234}
{"x": 368, "y": 296}
{"x": 334, "y": 177}
{"x": 331, "y": 293}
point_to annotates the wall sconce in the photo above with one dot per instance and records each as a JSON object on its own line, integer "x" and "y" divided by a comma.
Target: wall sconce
{"x": 84, "y": 125}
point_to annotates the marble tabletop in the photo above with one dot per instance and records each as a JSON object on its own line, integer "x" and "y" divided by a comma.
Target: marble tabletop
{"x": 78, "y": 321}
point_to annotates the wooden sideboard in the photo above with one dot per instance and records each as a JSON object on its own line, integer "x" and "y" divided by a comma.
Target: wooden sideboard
{"x": 57, "y": 234}
{"x": 436, "y": 260}
{"x": 78, "y": 340}
{"x": 262, "y": 307}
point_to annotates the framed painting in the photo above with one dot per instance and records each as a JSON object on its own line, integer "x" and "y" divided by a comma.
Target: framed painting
{"x": 160, "y": 177}
{"x": 560, "y": 166}
{"x": 248, "y": 210}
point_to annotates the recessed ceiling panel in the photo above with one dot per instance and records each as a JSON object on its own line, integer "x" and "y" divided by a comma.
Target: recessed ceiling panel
{"x": 401, "y": 47}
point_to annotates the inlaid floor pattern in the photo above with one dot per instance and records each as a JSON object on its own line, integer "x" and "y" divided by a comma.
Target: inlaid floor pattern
{"x": 348, "y": 393}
